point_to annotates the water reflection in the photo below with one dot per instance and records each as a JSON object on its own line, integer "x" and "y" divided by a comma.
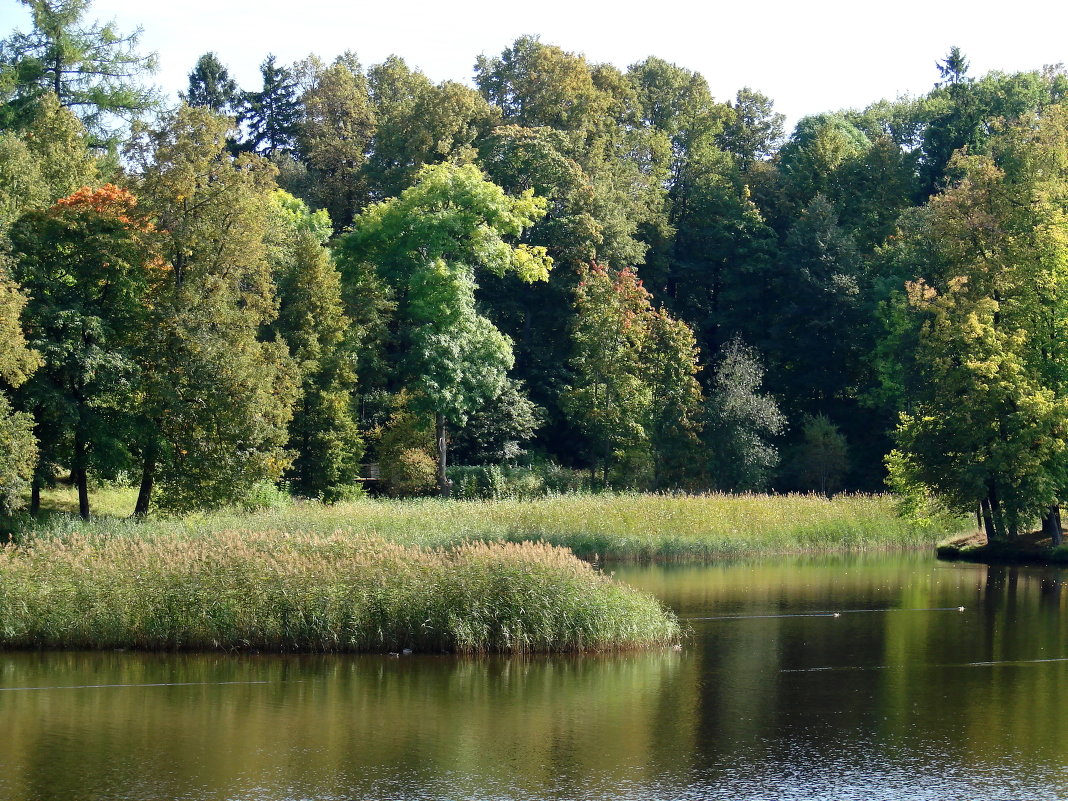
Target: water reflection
{"x": 894, "y": 702}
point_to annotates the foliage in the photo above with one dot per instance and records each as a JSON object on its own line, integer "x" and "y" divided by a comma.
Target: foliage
{"x": 611, "y": 398}
{"x": 18, "y": 446}
{"x": 741, "y": 423}
{"x": 754, "y": 131}
{"x": 420, "y": 123}
{"x": 426, "y": 245}
{"x": 334, "y": 138}
{"x": 822, "y": 457}
{"x": 404, "y": 447}
{"x": 92, "y": 69}
{"x": 271, "y": 116}
{"x": 89, "y": 266}
{"x": 496, "y": 482}
{"x": 986, "y": 424}
{"x": 211, "y": 86}
{"x": 496, "y": 431}
{"x": 323, "y": 435}
{"x": 47, "y": 160}
{"x": 634, "y": 396}
{"x": 219, "y": 400}
{"x": 18, "y": 457}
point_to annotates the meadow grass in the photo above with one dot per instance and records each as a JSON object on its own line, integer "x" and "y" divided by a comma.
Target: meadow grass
{"x": 378, "y": 575}
{"x": 614, "y": 527}
{"x": 279, "y": 591}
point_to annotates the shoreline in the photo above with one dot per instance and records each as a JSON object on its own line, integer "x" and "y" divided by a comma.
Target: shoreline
{"x": 1028, "y": 549}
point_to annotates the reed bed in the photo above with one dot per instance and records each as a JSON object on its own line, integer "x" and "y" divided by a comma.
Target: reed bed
{"x": 616, "y": 527}
{"x": 336, "y": 592}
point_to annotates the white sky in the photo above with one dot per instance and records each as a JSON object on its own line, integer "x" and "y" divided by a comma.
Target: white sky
{"x": 807, "y": 55}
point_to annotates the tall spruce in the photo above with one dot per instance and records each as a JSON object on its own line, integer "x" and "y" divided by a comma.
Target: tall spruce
{"x": 211, "y": 86}
{"x": 271, "y": 116}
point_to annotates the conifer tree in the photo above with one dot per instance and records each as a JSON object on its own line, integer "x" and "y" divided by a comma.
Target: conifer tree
{"x": 92, "y": 69}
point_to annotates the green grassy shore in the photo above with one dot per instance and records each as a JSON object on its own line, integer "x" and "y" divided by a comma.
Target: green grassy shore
{"x": 427, "y": 575}
{"x": 612, "y": 527}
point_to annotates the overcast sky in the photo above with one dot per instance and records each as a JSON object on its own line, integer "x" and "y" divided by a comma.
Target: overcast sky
{"x": 807, "y": 55}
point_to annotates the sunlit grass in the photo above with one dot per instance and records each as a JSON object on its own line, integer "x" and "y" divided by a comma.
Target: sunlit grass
{"x": 636, "y": 527}
{"x": 270, "y": 590}
{"x": 377, "y": 575}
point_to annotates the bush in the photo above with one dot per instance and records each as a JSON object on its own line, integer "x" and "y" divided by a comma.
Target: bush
{"x": 499, "y": 482}
{"x": 265, "y": 495}
{"x": 409, "y": 472}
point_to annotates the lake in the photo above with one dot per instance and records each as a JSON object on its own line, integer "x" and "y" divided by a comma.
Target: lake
{"x": 833, "y": 677}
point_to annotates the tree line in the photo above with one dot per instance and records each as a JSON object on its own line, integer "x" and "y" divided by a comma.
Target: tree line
{"x": 607, "y": 269}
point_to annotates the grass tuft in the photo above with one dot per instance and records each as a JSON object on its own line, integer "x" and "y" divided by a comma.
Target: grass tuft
{"x": 268, "y": 590}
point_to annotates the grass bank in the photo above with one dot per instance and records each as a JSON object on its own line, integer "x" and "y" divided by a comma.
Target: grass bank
{"x": 284, "y": 591}
{"x": 1031, "y": 548}
{"x": 615, "y": 527}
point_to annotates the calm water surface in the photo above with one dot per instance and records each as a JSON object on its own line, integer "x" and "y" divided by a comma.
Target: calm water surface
{"x": 901, "y": 696}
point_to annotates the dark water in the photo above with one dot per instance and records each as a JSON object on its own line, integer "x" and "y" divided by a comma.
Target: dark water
{"x": 901, "y": 696}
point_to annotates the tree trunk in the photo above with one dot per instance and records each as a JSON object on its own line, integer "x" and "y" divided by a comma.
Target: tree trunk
{"x": 1051, "y": 525}
{"x": 443, "y": 480}
{"x": 35, "y": 498}
{"x": 79, "y": 475}
{"x": 988, "y": 520}
{"x": 996, "y": 512}
{"x": 148, "y": 480}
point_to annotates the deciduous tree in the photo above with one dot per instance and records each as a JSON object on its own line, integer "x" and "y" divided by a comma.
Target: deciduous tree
{"x": 426, "y": 245}
{"x": 219, "y": 398}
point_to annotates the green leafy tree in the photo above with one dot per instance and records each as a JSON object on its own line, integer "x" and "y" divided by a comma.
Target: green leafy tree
{"x": 419, "y": 123}
{"x": 334, "y": 140}
{"x": 18, "y": 445}
{"x": 88, "y": 266}
{"x": 47, "y": 160}
{"x": 985, "y": 424}
{"x": 611, "y": 397}
{"x": 92, "y": 69}
{"x": 819, "y": 146}
{"x": 819, "y": 292}
{"x": 634, "y": 394}
{"x": 676, "y": 414}
{"x": 405, "y": 448}
{"x": 742, "y": 422}
{"x": 323, "y": 434}
{"x": 965, "y": 112}
{"x": 535, "y": 84}
{"x": 426, "y": 245}
{"x": 754, "y": 130}
{"x": 218, "y": 398}
{"x": 497, "y": 430}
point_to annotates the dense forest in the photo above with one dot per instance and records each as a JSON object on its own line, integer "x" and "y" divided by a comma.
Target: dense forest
{"x": 605, "y": 277}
